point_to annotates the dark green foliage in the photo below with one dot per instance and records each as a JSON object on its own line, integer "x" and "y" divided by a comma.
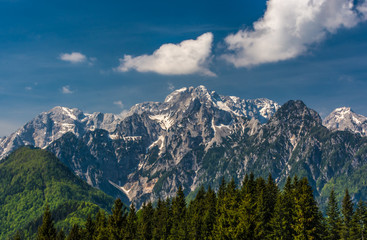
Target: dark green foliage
{"x": 32, "y": 177}
{"x": 117, "y": 220}
{"x": 75, "y": 233}
{"x": 162, "y": 220}
{"x": 47, "y": 230}
{"x": 179, "y": 224}
{"x": 333, "y": 218}
{"x": 308, "y": 219}
{"x": 359, "y": 222}
{"x": 131, "y": 224}
{"x": 90, "y": 227}
{"x": 258, "y": 210}
{"x": 284, "y": 213}
{"x": 60, "y": 235}
{"x": 145, "y": 226}
{"x": 347, "y": 212}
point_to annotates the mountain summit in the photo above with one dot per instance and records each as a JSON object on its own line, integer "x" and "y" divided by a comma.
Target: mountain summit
{"x": 193, "y": 138}
{"x": 345, "y": 119}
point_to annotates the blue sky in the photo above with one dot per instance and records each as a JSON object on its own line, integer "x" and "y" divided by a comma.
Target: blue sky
{"x": 107, "y": 56}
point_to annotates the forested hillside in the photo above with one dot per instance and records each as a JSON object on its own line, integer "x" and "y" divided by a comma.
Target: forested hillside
{"x": 30, "y": 179}
{"x": 256, "y": 210}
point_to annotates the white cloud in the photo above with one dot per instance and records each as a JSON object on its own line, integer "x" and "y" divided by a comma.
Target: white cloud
{"x": 28, "y": 88}
{"x": 187, "y": 57}
{"x": 74, "y": 57}
{"x": 363, "y": 9}
{"x": 66, "y": 90}
{"x": 119, "y": 104}
{"x": 289, "y": 27}
{"x": 171, "y": 87}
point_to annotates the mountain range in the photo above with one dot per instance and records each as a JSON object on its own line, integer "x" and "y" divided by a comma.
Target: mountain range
{"x": 195, "y": 137}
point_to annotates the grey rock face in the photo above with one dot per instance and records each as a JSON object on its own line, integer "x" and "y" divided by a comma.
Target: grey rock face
{"x": 344, "y": 119}
{"x": 151, "y": 149}
{"x": 194, "y": 138}
{"x": 50, "y": 126}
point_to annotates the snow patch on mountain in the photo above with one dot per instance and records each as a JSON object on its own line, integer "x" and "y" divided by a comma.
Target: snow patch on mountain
{"x": 345, "y": 119}
{"x": 50, "y": 126}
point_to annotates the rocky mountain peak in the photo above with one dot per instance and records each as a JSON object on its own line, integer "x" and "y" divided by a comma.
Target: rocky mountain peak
{"x": 345, "y": 119}
{"x": 296, "y": 112}
{"x": 53, "y": 124}
{"x": 64, "y": 112}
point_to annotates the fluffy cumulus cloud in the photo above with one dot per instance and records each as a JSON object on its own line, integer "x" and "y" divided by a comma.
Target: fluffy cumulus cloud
{"x": 74, "y": 57}
{"x": 289, "y": 27}
{"x": 188, "y": 57}
{"x": 66, "y": 90}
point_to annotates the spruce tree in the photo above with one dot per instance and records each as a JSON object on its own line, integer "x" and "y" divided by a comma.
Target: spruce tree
{"x": 17, "y": 236}
{"x": 265, "y": 203}
{"x": 210, "y": 213}
{"x": 359, "y": 222}
{"x": 347, "y": 211}
{"x": 117, "y": 220}
{"x": 101, "y": 230}
{"x": 283, "y": 220}
{"x": 146, "y": 225}
{"x": 90, "y": 227}
{"x": 333, "y": 220}
{"x": 246, "y": 209}
{"x": 228, "y": 216}
{"x": 47, "y": 230}
{"x": 75, "y": 233}
{"x": 131, "y": 224}
{"x": 179, "y": 223}
{"x": 61, "y": 235}
{"x": 307, "y": 222}
{"x": 160, "y": 220}
{"x": 196, "y": 212}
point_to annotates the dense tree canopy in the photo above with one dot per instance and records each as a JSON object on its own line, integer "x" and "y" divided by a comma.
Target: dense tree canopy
{"x": 256, "y": 210}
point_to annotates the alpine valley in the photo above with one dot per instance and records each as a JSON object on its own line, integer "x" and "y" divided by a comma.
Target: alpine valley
{"x": 196, "y": 137}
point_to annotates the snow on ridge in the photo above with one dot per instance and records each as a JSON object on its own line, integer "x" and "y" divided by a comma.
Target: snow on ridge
{"x": 164, "y": 120}
{"x": 345, "y": 119}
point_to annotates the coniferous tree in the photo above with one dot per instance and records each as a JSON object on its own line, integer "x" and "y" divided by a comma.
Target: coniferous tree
{"x": 131, "y": 224}
{"x": 333, "y": 220}
{"x": 359, "y": 222}
{"x": 210, "y": 213}
{"x": 90, "y": 227}
{"x": 75, "y": 233}
{"x": 101, "y": 231}
{"x": 179, "y": 223}
{"x": 61, "y": 235}
{"x": 228, "y": 216}
{"x": 160, "y": 220}
{"x": 347, "y": 212}
{"x": 145, "y": 229}
{"x": 265, "y": 203}
{"x": 195, "y": 216}
{"x": 307, "y": 222}
{"x": 247, "y": 209}
{"x": 168, "y": 226}
{"x": 47, "y": 230}
{"x": 17, "y": 236}
{"x": 116, "y": 221}
{"x": 283, "y": 220}
{"x": 260, "y": 210}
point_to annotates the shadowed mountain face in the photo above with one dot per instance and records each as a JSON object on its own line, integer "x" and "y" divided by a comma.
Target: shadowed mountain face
{"x": 197, "y": 136}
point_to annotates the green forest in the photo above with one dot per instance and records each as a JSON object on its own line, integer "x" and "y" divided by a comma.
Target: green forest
{"x": 257, "y": 209}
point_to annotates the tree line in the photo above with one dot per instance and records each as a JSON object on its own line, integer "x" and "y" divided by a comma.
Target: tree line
{"x": 257, "y": 210}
